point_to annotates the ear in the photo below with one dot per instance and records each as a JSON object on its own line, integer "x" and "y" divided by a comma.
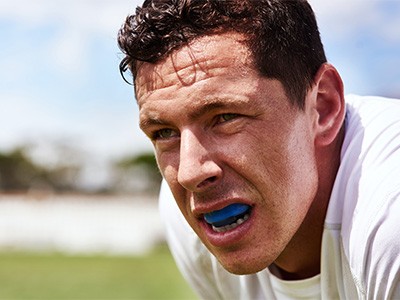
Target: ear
{"x": 329, "y": 105}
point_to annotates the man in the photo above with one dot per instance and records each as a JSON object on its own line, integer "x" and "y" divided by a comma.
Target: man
{"x": 283, "y": 189}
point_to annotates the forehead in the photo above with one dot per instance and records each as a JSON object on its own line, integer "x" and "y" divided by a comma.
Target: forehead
{"x": 203, "y": 58}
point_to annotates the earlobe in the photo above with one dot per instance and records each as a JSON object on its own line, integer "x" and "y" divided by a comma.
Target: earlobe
{"x": 329, "y": 104}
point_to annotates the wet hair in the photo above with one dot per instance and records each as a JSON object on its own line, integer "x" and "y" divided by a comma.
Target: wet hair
{"x": 282, "y": 35}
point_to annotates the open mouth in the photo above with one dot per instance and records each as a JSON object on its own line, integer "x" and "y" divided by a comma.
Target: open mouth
{"x": 229, "y": 217}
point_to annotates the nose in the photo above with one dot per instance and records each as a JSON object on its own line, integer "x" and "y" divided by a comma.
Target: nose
{"x": 197, "y": 168}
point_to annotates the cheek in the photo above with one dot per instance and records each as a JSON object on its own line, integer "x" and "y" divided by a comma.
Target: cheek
{"x": 170, "y": 175}
{"x": 267, "y": 158}
{"x": 168, "y": 166}
{"x": 302, "y": 152}
{"x": 168, "y": 163}
{"x": 302, "y": 167}
{"x": 283, "y": 161}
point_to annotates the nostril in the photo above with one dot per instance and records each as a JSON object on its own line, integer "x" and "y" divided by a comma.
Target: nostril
{"x": 207, "y": 181}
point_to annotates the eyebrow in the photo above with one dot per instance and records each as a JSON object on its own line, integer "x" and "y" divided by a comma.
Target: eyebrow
{"x": 148, "y": 122}
{"x": 214, "y": 105}
{"x": 210, "y": 105}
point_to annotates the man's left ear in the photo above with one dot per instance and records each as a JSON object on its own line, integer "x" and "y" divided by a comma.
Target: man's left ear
{"x": 329, "y": 104}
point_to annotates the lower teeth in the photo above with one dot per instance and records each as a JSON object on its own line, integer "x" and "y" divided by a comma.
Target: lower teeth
{"x": 231, "y": 226}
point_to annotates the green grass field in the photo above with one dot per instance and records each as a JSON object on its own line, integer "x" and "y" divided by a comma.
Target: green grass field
{"x": 55, "y": 277}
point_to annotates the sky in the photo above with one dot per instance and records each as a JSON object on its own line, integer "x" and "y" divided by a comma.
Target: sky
{"x": 60, "y": 82}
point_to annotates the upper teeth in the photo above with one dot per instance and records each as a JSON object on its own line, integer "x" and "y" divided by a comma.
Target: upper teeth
{"x": 231, "y": 226}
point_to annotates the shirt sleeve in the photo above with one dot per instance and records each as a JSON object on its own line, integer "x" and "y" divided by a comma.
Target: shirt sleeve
{"x": 191, "y": 256}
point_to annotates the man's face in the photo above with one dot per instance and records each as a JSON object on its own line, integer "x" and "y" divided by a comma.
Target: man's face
{"x": 238, "y": 157}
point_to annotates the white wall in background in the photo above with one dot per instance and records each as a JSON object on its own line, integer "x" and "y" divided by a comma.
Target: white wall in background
{"x": 79, "y": 224}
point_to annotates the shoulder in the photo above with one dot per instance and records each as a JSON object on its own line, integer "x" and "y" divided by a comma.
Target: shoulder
{"x": 369, "y": 117}
{"x": 369, "y": 179}
{"x": 370, "y": 158}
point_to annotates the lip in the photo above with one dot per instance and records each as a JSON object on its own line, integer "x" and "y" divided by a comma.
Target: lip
{"x": 200, "y": 210}
{"x": 228, "y": 238}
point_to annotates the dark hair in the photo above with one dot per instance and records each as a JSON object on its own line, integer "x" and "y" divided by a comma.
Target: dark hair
{"x": 282, "y": 35}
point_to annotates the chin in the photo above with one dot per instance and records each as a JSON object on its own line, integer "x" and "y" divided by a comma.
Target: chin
{"x": 244, "y": 266}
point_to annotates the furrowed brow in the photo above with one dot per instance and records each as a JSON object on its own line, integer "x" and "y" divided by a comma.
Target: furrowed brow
{"x": 149, "y": 122}
{"x": 202, "y": 109}
{"x": 215, "y": 104}
{"x": 206, "y": 108}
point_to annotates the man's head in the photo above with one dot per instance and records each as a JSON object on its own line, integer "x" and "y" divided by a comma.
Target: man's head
{"x": 282, "y": 35}
{"x": 249, "y": 170}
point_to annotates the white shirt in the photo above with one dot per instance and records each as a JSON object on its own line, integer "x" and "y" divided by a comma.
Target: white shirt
{"x": 360, "y": 254}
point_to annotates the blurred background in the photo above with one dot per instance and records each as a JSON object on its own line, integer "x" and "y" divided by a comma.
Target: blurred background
{"x": 78, "y": 181}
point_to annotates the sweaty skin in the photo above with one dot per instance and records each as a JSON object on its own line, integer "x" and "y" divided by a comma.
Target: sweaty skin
{"x": 224, "y": 134}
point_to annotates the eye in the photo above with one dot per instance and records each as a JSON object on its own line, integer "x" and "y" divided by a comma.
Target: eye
{"x": 226, "y": 117}
{"x": 165, "y": 133}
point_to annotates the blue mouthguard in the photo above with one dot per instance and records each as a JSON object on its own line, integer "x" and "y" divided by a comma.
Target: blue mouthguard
{"x": 230, "y": 211}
